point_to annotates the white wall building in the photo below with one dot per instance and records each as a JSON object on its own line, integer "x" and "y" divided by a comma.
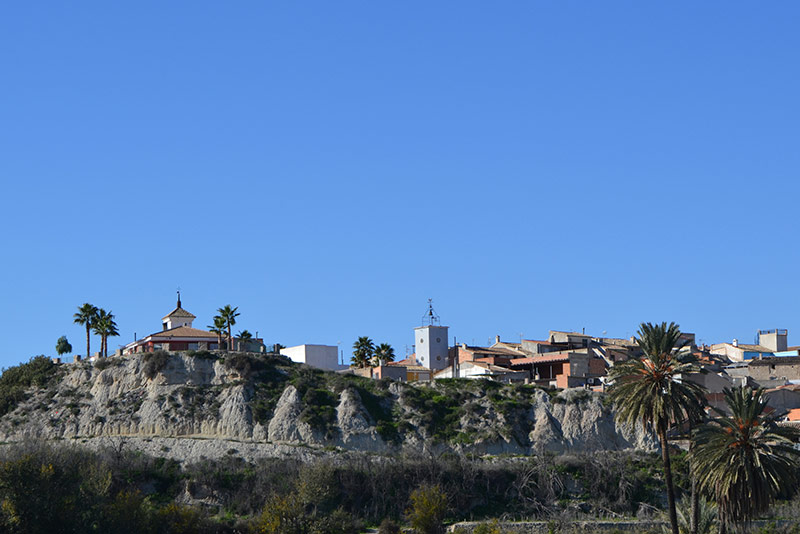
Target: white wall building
{"x": 320, "y": 356}
{"x": 431, "y": 346}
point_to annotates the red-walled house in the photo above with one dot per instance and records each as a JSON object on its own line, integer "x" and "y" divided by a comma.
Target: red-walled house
{"x": 177, "y": 334}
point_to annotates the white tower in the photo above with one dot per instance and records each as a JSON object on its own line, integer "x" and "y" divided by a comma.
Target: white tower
{"x": 431, "y": 341}
{"x": 177, "y": 317}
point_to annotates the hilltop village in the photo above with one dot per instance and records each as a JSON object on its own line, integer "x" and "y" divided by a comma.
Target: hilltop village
{"x": 561, "y": 360}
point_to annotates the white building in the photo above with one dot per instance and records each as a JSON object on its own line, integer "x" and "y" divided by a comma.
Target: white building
{"x": 477, "y": 370}
{"x": 431, "y": 346}
{"x": 320, "y": 356}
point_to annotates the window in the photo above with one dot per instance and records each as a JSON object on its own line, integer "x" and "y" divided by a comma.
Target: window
{"x": 421, "y": 340}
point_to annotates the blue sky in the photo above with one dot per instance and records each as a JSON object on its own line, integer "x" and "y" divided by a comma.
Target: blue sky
{"x": 329, "y": 166}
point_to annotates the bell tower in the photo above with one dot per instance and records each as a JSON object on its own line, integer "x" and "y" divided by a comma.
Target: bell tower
{"x": 430, "y": 340}
{"x": 177, "y": 317}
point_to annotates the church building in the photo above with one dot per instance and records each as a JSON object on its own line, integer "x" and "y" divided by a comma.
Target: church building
{"x": 177, "y": 334}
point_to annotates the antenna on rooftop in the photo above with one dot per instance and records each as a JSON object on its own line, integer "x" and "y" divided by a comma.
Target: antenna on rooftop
{"x": 430, "y": 316}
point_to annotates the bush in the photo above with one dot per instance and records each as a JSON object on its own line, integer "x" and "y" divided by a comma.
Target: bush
{"x": 241, "y": 363}
{"x": 154, "y": 363}
{"x": 388, "y": 526}
{"x": 202, "y": 354}
{"x": 102, "y": 363}
{"x": 488, "y": 528}
{"x": 282, "y": 515}
{"x": 428, "y": 508}
{"x": 38, "y": 372}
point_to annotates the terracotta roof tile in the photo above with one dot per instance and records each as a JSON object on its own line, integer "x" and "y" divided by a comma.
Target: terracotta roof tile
{"x": 184, "y": 331}
{"x": 179, "y": 312}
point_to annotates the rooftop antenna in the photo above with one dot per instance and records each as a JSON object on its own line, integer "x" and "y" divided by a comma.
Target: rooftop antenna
{"x": 430, "y": 316}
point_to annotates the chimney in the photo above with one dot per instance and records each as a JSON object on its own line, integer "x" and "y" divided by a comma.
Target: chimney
{"x": 497, "y": 339}
{"x": 735, "y": 342}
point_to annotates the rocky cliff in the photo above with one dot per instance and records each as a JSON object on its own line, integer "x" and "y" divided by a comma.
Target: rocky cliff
{"x": 199, "y": 404}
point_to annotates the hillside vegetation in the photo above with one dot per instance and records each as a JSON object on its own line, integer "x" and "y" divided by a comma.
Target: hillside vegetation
{"x": 267, "y": 399}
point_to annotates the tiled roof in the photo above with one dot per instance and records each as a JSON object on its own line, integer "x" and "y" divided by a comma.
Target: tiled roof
{"x": 184, "y": 331}
{"x": 411, "y": 360}
{"x": 179, "y": 312}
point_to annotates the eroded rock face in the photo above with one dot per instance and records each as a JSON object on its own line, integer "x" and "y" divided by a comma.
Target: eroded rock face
{"x": 200, "y": 399}
{"x": 356, "y": 429}
{"x": 285, "y": 425}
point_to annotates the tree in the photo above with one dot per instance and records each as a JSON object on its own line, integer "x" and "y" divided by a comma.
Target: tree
{"x": 363, "y": 350}
{"x": 384, "y": 353}
{"x": 244, "y": 338}
{"x": 746, "y": 459}
{"x": 86, "y": 316}
{"x": 105, "y": 327}
{"x": 63, "y": 346}
{"x": 229, "y": 314}
{"x": 651, "y": 390}
{"x": 219, "y": 329}
{"x": 428, "y": 508}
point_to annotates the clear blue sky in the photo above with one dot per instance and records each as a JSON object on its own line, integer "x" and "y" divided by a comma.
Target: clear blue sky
{"x": 328, "y": 166}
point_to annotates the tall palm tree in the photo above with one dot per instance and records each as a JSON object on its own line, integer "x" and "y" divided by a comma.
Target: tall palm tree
{"x": 86, "y": 316}
{"x": 651, "y": 390}
{"x": 363, "y": 349}
{"x": 746, "y": 459}
{"x": 105, "y": 327}
{"x": 244, "y": 338}
{"x": 384, "y": 353}
{"x": 229, "y": 314}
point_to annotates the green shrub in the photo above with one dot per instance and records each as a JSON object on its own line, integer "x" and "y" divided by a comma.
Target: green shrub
{"x": 488, "y": 528}
{"x": 319, "y": 410}
{"x": 202, "y": 354}
{"x": 154, "y": 363}
{"x": 428, "y": 508}
{"x": 38, "y": 372}
{"x": 102, "y": 363}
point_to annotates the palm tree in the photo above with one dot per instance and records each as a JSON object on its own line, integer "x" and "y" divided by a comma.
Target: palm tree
{"x": 746, "y": 459}
{"x": 219, "y": 329}
{"x": 244, "y": 338}
{"x": 363, "y": 349}
{"x": 105, "y": 327}
{"x": 63, "y": 346}
{"x": 229, "y": 315}
{"x": 384, "y": 353}
{"x": 650, "y": 390}
{"x": 86, "y": 316}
